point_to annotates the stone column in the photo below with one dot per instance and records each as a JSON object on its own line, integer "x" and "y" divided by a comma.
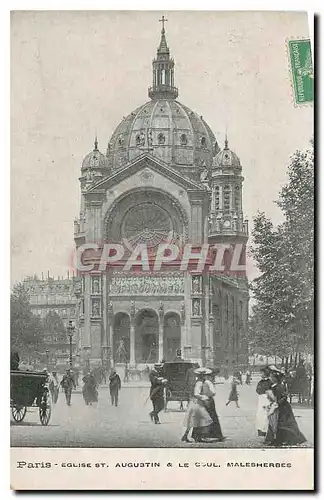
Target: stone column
{"x": 161, "y": 325}
{"x": 109, "y": 334}
{"x": 132, "y": 360}
{"x": 183, "y": 330}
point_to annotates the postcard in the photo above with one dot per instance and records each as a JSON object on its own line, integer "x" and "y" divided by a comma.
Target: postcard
{"x": 162, "y": 234}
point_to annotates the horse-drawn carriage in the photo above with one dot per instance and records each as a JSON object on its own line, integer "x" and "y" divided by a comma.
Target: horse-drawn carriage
{"x": 29, "y": 390}
{"x": 178, "y": 386}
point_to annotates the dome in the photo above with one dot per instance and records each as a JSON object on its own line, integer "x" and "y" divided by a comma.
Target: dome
{"x": 94, "y": 159}
{"x": 226, "y": 158}
{"x": 168, "y": 130}
{"x": 164, "y": 127}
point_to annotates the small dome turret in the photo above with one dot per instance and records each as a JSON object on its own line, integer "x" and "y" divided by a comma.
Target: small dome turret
{"x": 226, "y": 158}
{"x": 95, "y": 159}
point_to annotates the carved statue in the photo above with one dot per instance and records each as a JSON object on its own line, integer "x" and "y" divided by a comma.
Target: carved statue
{"x": 183, "y": 312}
{"x": 96, "y": 308}
{"x": 196, "y": 307}
{"x": 95, "y": 285}
{"x": 196, "y": 284}
{"x": 204, "y": 175}
{"x": 89, "y": 176}
{"x": 77, "y": 287}
{"x": 161, "y": 309}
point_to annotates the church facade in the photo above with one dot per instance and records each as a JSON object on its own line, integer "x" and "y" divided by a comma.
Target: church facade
{"x": 163, "y": 178}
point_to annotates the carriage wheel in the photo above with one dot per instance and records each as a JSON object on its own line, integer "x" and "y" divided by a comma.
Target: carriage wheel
{"x": 18, "y": 413}
{"x": 45, "y": 410}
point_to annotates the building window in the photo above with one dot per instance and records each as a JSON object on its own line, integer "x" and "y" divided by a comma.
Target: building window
{"x": 227, "y": 198}
{"x": 203, "y": 142}
{"x": 161, "y": 138}
{"x": 183, "y": 140}
{"x": 138, "y": 140}
{"x": 217, "y": 198}
{"x": 237, "y": 198}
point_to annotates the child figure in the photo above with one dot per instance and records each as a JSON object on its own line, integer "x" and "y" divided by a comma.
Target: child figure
{"x": 233, "y": 395}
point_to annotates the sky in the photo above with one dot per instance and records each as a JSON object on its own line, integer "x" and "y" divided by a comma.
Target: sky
{"x": 75, "y": 74}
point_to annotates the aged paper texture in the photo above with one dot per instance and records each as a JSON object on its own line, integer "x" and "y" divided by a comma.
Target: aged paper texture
{"x": 162, "y": 251}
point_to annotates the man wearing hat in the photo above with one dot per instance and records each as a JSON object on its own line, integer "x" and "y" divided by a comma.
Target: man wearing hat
{"x": 114, "y": 386}
{"x": 157, "y": 391}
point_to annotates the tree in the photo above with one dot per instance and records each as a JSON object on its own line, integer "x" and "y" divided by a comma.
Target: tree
{"x": 53, "y": 324}
{"x": 26, "y": 329}
{"x": 284, "y": 255}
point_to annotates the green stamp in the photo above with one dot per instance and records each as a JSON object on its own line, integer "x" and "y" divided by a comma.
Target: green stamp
{"x": 302, "y": 70}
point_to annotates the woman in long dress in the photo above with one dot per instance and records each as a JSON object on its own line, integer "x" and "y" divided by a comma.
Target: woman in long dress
{"x": 201, "y": 414}
{"x": 282, "y": 425}
{"x": 89, "y": 390}
{"x": 262, "y": 415}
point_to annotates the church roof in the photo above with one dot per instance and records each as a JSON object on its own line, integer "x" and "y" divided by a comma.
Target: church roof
{"x": 163, "y": 126}
{"x": 168, "y": 130}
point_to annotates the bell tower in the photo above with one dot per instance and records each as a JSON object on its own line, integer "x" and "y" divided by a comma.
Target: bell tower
{"x": 227, "y": 223}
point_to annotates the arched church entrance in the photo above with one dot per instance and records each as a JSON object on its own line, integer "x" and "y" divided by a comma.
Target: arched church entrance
{"x": 146, "y": 337}
{"x": 121, "y": 338}
{"x": 171, "y": 336}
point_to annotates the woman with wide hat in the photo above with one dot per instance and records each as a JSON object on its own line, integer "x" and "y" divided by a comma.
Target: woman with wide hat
{"x": 201, "y": 414}
{"x": 282, "y": 425}
{"x": 261, "y": 389}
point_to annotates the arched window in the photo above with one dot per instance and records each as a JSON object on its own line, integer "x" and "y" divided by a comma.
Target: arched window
{"x": 183, "y": 140}
{"x": 138, "y": 140}
{"x": 161, "y": 138}
{"x": 203, "y": 142}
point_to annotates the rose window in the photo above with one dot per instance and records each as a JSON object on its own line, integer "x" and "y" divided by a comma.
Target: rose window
{"x": 148, "y": 224}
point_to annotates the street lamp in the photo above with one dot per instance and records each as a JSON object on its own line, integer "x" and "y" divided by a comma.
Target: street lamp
{"x": 70, "y": 332}
{"x": 47, "y": 357}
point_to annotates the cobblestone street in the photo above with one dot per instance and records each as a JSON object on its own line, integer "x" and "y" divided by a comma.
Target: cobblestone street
{"x": 129, "y": 425}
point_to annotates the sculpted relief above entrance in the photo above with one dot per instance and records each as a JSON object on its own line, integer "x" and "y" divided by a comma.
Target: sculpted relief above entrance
{"x": 161, "y": 284}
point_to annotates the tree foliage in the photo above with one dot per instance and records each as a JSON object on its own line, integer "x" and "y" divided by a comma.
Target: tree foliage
{"x": 284, "y": 291}
{"x": 26, "y": 329}
{"x": 53, "y": 324}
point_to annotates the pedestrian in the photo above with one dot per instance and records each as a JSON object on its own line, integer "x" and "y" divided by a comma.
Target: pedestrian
{"x": 233, "y": 395}
{"x": 126, "y": 374}
{"x": 248, "y": 377}
{"x": 157, "y": 391}
{"x": 261, "y": 389}
{"x": 282, "y": 425}
{"x": 89, "y": 389}
{"x": 54, "y": 386}
{"x": 68, "y": 383}
{"x": 201, "y": 414}
{"x": 114, "y": 386}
